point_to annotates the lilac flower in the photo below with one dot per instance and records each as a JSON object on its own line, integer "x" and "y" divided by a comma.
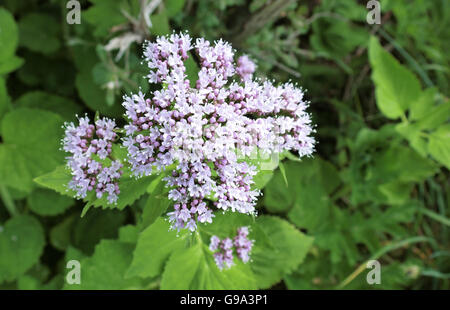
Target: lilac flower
{"x": 87, "y": 144}
{"x": 245, "y": 68}
{"x": 203, "y": 134}
{"x": 223, "y": 249}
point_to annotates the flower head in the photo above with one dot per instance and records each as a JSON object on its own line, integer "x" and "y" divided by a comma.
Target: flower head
{"x": 204, "y": 133}
{"x": 90, "y": 146}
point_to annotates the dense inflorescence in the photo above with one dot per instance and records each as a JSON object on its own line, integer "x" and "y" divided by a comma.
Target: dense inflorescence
{"x": 90, "y": 146}
{"x": 204, "y": 133}
{"x": 223, "y": 249}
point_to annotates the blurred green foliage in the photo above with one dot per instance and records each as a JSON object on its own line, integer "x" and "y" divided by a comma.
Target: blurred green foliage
{"x": 377, "y": 188}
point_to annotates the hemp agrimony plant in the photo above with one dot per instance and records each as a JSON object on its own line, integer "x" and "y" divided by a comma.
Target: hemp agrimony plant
{"x": 201, "y": 137}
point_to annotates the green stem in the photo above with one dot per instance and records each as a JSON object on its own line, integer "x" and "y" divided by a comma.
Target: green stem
{"x": 380, "y": 253}
{"x": 8, "y": 201}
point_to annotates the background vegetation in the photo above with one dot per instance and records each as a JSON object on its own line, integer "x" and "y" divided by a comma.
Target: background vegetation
{"x": 377, "y": 187}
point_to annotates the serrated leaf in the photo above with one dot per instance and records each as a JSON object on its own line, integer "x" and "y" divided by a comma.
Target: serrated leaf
{"x": 57, "y": 180}
{"x": 21, "y": 244}
{"x": 396, "y": 87}
{"x": 154, "y": 246}
{"x": 106, "y": 268}
{"x": 129, "y": 233}
{"x": 269, "y": 266}
{"x": 194, "y": 268}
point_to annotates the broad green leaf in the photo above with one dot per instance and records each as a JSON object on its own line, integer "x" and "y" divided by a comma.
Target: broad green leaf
{"x": 60, "y": 234}
{"x": 194, "y": 268}
{"x": 46, "y": 202}
{"x": 105, "y": 14}
{"x": 94, "y": 96}
{"x": 290, "y": 247}
{"x": 129, "y": 233}
{"x": 422, "y": 106}
{"x": 173, "y": 7}
{"x": 31, "y": 143}
{"x": 39, "y": 32}
{"x": 308, "y": 184}
{"x": 414, "y": 135}
{"x": 22, "y": 241}
{"x": 96, "y": 225}
{"x": 154, "y": 246}
{"x": 439, "y": 145}
{"x": 4, "y": 100}
{"x": 54, "y": 103}
{"x": 396, "y": 88}
{"x": 157, "y": 202}
{"x": 435, "y": 117}
{"x": 387, "y": 166}
{"x": 10, "y": 64}
{"x": 106, "y": 268}
{"x": 8, "y": 35}
{"x": 131, "y": 189}
{"x": 160, "y": 24}
{"x": 57, "y": 180}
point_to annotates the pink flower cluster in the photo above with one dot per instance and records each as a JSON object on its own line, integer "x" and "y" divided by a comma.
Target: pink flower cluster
{"x": 205, "y": 133}
{"x": 223, "y": 249}
{"x": 90, "y": 146}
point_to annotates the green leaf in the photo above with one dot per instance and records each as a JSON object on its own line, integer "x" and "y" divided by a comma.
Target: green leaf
{"x": 106, "y": 268}
{"x": 157, "y": 203}
{"x": 154, "y": 246}
{"x": 160, "y": 24}
{"x": 10, "y": 64}
{"x": 94, "y": 96}
{"x": 310, "y": 181}
{"x": 173, "y": 7}
{"x": 131, "y": 189}
{"x": 31, "y": 142}
{"x": 290, "y": 248}
{"x": 396, "y": 87}
{"x": 4, "y": 100}
{"x": 60, "y": 234}
{"x": 40, "y": 33}
{"x": 96, "y": 225}
{"x": 57, "y": 180}
{"x": 194, "y": 269}
{"x": 21, "y": 244}
{"x": 8, "y": 35}
{"x": 129, "y": 233}
{"x": 66, "y": 108}
{"x": 46, "y": 202}
{"x": 422, "y": 106}
{"x": 439, "y": 145}
{"x": 105, "y": 14}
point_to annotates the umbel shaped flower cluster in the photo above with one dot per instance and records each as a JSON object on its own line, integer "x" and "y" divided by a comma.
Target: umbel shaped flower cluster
{"x": 223, "y": 249}
{"x": 202, "y": 134}
{"x": 206, "y": 131}
{"x": 90, "y": 146}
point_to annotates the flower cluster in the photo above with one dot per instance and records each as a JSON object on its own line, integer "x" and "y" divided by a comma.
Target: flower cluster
{"x": 204, "y": 133}
{"x": 90, "y": 147}
{"x": 223, "y": 249}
